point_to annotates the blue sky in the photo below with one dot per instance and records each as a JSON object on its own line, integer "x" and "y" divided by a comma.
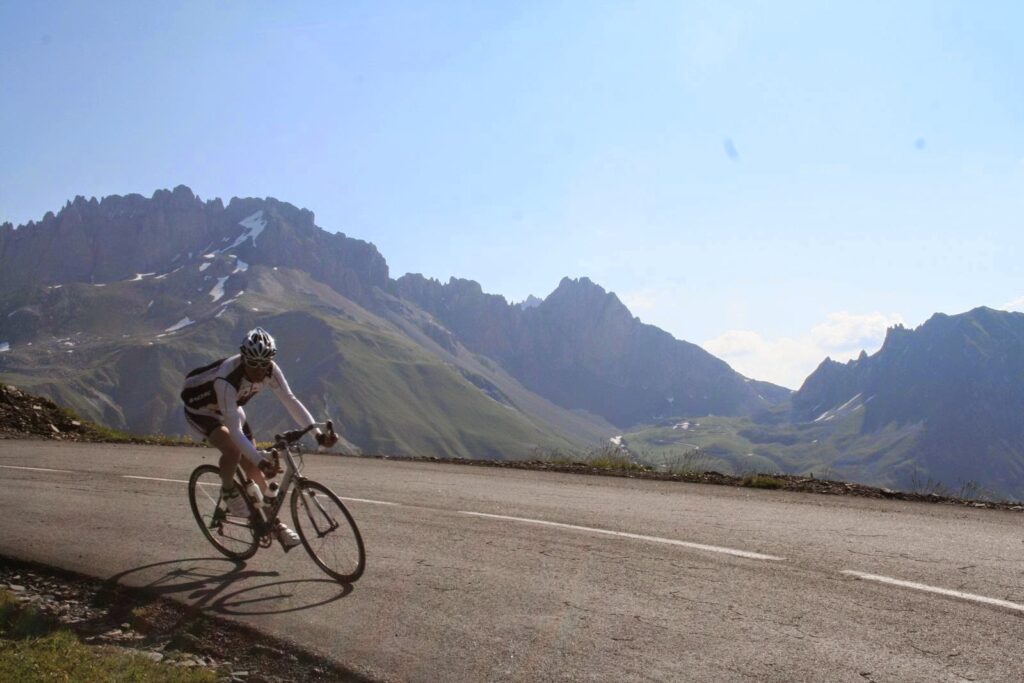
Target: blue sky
{"x": 774, "y": 181}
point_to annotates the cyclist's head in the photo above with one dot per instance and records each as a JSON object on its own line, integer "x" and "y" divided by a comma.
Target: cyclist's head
{"x": 258, "y": 348}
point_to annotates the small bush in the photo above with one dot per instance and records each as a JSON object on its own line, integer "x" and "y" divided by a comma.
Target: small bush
{"x": 613, "y": 458}
{"x": 761, "y": 481}
{"x": 553, "y": 456}
{"x": 21, "y": 621}
{"x": 143, "y": 619}
{"x": 688, "y": 462}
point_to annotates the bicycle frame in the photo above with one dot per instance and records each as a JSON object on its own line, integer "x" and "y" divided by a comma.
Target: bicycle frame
{"x": 264, "y": 519}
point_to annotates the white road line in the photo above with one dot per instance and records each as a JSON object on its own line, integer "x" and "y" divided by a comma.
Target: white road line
{"x": 933, "y": 589}
{"x": 639, "y": 537}
{"x": 375, "y": 502}
{"x": 172, "y": 481}
{"x": 180, "y": 481}
{"x": 35, "y": 469}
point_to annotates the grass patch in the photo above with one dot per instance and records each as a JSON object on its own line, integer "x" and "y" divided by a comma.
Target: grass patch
{"x": 18, "y": 621}
{"x": 615, "y": 459}
{"x": 553, "y": 456}
{"x": 33, "y": 648}
{"x": 686, "y": 463}
{"x": 59, "y": 656}
{"x": 761, "y": 481}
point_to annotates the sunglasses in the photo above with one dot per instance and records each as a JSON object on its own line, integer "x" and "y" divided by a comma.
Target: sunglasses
{"x": 258, "y": 364}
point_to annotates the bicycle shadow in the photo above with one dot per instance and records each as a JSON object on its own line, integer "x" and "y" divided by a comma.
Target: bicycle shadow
{"x": 205, "y": 584}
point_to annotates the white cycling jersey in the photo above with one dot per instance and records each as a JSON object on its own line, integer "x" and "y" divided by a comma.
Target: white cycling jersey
{"x": 219, "y": 390}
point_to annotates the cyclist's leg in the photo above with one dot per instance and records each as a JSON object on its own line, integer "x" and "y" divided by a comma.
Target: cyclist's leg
{"x": 231, "y": 458}
{"x": 229, "y": 454}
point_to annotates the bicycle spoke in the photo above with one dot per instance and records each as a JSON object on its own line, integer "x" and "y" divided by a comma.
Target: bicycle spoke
{"x": 232, "y": 536}
{"x": 328, "y": 532}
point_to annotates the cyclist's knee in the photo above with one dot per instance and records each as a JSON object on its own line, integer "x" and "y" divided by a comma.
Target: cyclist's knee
{"x": 221, "y": 439}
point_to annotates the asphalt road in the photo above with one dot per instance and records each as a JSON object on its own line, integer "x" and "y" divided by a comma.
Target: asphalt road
{"x": 480, "y": 574}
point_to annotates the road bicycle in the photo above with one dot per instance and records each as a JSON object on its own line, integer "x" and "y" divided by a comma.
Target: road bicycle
{"x": 323, "y": 523}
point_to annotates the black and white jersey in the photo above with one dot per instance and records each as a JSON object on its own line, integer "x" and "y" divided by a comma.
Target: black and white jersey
{"x": 220, "y": 389}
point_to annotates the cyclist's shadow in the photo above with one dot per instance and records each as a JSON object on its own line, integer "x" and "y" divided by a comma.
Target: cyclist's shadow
{"x": 206, "y": 584}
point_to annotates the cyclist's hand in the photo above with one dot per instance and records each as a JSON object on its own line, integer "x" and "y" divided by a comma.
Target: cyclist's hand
{"x": 268, "y": 463}
{"x": 327, "y": 440}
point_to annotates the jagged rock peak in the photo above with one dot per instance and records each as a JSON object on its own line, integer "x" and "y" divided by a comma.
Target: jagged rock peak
{"x": 291, "y": 213}
{"x": 181, "y": 193}
{"x": 530, "y": 302}
{"x": 579, "y": 284}
{"x": 584, "y": 293}
{"x": 464, "y": 286}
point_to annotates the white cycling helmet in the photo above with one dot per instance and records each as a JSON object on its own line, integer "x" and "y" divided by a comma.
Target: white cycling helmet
{"x": 258, "y": 347}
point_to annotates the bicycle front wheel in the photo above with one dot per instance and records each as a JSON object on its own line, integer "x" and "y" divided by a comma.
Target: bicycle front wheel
{"x": 232, "y": 536}
{"x": 328, "y": 532}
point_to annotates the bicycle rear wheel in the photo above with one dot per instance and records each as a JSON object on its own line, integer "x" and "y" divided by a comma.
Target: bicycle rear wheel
{"x": 232, "y": 536}
{"x": 328, "y": 532}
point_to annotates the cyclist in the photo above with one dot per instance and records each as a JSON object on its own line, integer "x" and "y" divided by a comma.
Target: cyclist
{"x": 214, "y": 395}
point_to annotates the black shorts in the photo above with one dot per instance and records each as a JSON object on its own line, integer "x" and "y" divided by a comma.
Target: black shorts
{"x": 203, "y": 425}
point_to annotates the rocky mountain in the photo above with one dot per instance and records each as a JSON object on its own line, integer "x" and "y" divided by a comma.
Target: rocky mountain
{"x": 936, "y": 410}
{"x": 113, "y": 239}
{"x": 582, "y": 348}
{"x": 104, "y": 306}
{"x": 941, "y": 402}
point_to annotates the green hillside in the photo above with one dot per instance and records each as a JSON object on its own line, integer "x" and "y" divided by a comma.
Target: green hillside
{"x": 386, "y": 393}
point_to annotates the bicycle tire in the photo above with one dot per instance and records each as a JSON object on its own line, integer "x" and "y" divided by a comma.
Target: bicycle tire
{"x": 209, "y": 515}
{"x": 327, "y": 523}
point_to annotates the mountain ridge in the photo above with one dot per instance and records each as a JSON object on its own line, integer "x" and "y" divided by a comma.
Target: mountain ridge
{"x": 96, "y": 317}
{"x": 105, "y": 286}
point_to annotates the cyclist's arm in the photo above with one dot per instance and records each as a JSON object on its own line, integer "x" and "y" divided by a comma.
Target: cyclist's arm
{"x": 227, "y": 398}
{"x": 294, "y": 406}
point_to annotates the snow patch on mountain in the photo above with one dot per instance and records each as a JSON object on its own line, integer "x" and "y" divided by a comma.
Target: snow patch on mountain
{"x": 139, "y": 276}
{"x": 254, "y": 225}
{"x": 240, "y": 267}
{"x": 203, "y": 267}
{"x": 161, "y": 277}
{"x": 5, "y": 346}
{"x": 218, "y": 289}
{"x": 184, "y": 322}
{"x": 845, "y": 408}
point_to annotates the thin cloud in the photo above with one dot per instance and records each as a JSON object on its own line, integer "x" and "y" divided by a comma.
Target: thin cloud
{"x": 1016, "y": 305}
{"x": 844, "y": 331}
{"x": 789, "y": 360}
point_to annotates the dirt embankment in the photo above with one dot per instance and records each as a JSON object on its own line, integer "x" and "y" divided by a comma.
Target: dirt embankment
{"x": 22, "y": 414}
{"x": 25, "y": 415}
